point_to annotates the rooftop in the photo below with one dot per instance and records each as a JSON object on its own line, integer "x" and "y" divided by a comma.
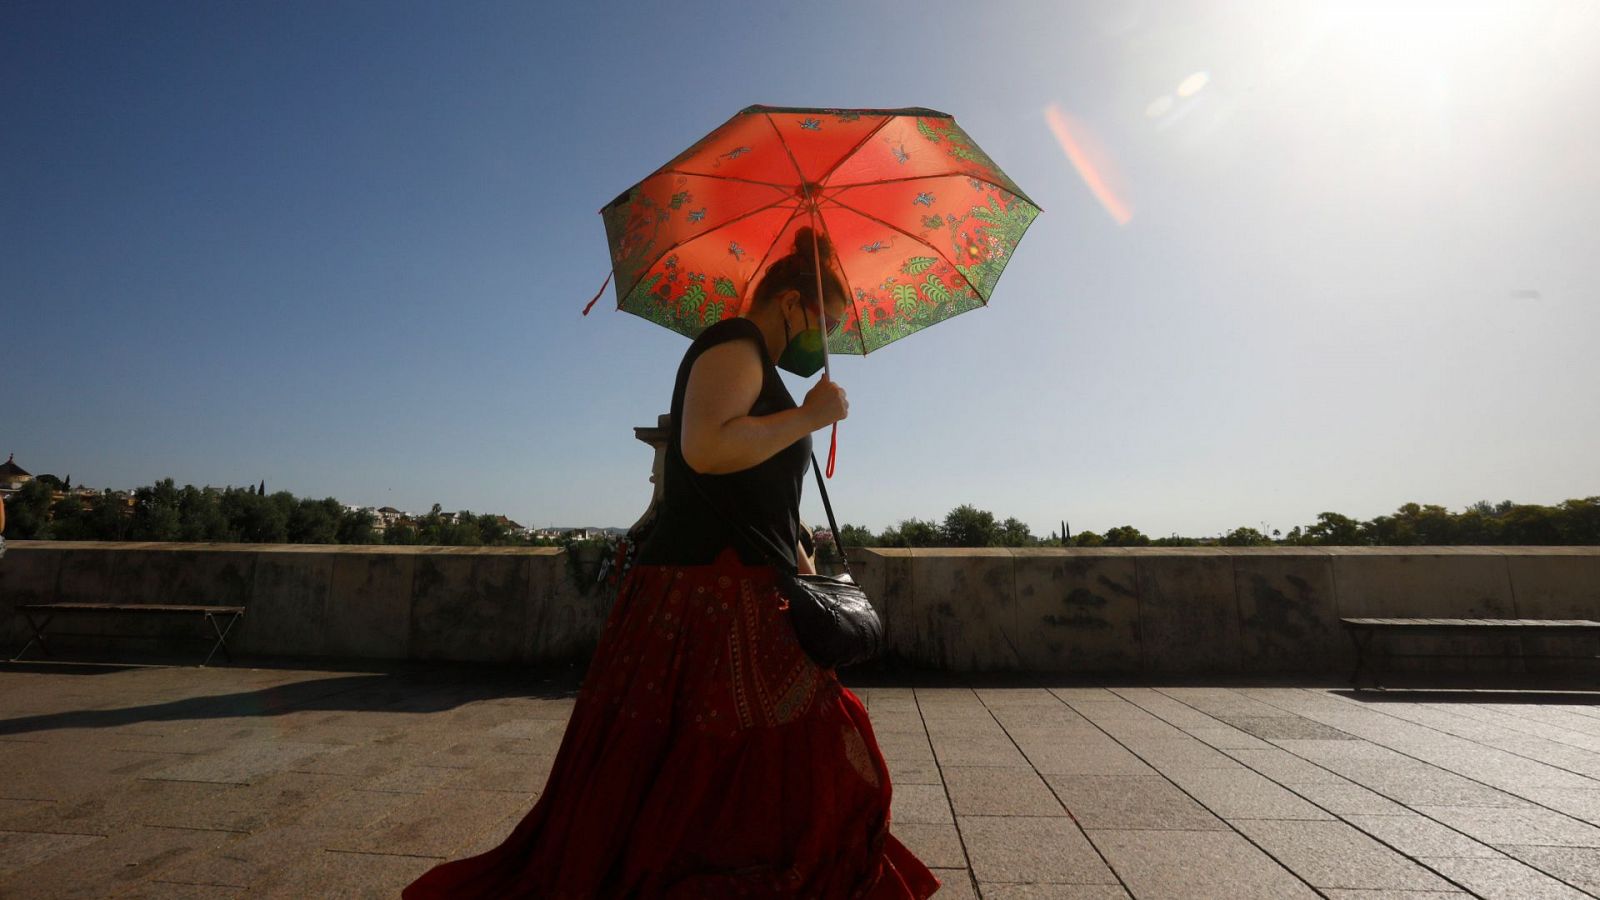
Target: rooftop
{"x": 281, "y": 781}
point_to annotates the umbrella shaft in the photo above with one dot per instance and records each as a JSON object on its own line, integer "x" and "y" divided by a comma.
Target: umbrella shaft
{"x": 822, "y": 308}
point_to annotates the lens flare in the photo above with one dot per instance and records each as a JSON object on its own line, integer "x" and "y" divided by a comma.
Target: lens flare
{"x": 1192, "y": 85}
{"x": 1159, "y": 107}
{"x": 1093, "y": 164}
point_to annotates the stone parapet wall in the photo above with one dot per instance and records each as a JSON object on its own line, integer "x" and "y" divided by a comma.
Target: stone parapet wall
{"x": 1202, "y": 610}
{"x": 1153, "y": 611}
{"x": 507, "y": 605}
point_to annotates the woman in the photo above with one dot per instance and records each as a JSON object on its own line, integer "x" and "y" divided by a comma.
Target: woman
{"x": 707, "y": 756}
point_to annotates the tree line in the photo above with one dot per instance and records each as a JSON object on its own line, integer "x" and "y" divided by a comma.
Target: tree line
{"x": 165, "y": 512}
{"x": 1571, "y": 522}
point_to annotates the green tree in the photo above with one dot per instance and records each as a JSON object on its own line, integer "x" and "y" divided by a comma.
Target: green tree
{"x": 1334, "y": 529}
{"x": 200, "y": 515}
{"x": 69, "y": 521}
{"x": 968, "y": 526}
{"x": 1088, "y": 539}
{"x": 856, "y": 536}
{"x": 911, "y": 533}
{"x": 1126, "y": 536}
{"x": 1014, "y": 533}
{"x": 1531, "y": 525}
{"x": 28, "y": 512}
{"x": 109, "y": 520}
{"x": 357, "y": 526}
{"x": 155, "y": 513}
{"x": 1174, "y": 540}
{"x": 314, "y": 521}
{"x": 253, "y": 518}
{"x": 491, "y": 531}
{"x": 1578, "y": 521}
{"x": 1245, "y": 537}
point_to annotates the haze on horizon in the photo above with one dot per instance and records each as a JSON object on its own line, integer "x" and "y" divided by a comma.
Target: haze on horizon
{"x": 1294, "y": 257}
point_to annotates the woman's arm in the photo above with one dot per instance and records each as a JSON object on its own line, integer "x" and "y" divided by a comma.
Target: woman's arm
{"x": 719, "y": 436}
{"x": 804, "y": 564}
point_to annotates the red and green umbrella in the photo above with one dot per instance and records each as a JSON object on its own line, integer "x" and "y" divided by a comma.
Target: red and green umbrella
{"x": 922, "y": 221}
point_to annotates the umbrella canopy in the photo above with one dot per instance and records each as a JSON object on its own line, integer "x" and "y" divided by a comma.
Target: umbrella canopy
{"x": 921, "y": 220}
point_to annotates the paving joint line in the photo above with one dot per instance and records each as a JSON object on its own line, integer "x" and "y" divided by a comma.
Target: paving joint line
{"x": 1059, "y": 802}
{"x": 944, "y": 788}
{"x": 1353, "y": 704}
{"x": 1341, "y": 817}
{"x": 1247, "y": 839}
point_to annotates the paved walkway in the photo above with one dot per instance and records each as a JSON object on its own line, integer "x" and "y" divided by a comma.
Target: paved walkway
{"x": 285, "y": 782}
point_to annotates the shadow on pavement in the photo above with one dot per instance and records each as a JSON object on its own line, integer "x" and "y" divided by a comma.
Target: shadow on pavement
{"x": 403, "y": 687}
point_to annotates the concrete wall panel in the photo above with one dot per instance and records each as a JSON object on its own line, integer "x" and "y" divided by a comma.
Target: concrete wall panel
{"x": 26, "y": 576}
{"x": 1550, "y": 585}
{"x": 469, "y": 607}
{"x": 1077, "y": 611}
{"x": 564, "y": 619}
{"x": 288, "y": 608}
{"x": 885, "y": 574}
{"x": 1287, "y": 619}
{"x": 369, "y": 606}
{"x": 1188, "y": 612}
{"x": 85, "y": 574}
{"x": 963, "y": 613}
{"x": 151, "y": 575}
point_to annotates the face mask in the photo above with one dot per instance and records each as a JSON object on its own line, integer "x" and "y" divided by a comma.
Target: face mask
{"x": 802, "y": 353}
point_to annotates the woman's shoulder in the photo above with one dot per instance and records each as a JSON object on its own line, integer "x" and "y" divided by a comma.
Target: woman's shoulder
{"x": 727, "y": 330}
{"x": 734, "y": 329}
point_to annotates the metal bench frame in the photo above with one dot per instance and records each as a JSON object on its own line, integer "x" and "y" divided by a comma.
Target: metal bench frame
{"x": 49, "y": 610}
{"x": 1363, "y": 631}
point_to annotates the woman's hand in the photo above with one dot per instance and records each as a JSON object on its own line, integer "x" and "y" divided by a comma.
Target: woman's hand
{"x": 718, "y": 435}
{"x": 825, "y": 403}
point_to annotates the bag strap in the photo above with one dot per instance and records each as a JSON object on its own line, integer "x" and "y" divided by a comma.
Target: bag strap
{"x": 838, "y": 539}
{"x": 778, "y": 563}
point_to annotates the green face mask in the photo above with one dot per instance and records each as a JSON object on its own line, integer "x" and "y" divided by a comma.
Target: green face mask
{"x": 802, "y": 353}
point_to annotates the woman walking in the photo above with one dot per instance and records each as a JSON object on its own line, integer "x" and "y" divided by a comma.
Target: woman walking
{"x": 707, "y": 756}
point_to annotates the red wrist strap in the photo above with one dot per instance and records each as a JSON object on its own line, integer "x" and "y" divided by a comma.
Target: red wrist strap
{"x": 598, "y": 293}
{"x": 833, "y": 448}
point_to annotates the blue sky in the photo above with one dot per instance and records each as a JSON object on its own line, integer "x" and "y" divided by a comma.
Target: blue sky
{"x": 343, "y": 247}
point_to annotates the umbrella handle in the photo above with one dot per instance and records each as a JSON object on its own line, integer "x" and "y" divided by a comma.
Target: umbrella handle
{"x": 833, "y": 448}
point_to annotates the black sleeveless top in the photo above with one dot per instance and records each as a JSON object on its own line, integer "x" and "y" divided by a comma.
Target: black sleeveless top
{"x": 763, "y": 500}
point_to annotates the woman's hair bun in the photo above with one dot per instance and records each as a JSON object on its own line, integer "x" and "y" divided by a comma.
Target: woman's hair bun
{"x": 803, "y": 244}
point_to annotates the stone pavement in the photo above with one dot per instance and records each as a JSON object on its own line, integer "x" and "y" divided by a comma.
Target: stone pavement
{"x": 276, "y": 781}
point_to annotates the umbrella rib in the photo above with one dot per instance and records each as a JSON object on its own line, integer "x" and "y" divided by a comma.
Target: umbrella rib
{"x": 623, "y": 295}
{"x": 786, "y": 149}
{"x": 994, "y": 184}
{"x": 771, "y": 184}
{"x": 852, "y": 151}
{"x": 750, "y": 295}
{"x": 979, "y": 294}
{"x": 849, "y": 294}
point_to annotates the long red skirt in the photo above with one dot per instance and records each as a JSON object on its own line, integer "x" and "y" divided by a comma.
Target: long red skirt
{"x": 706, "y": 757}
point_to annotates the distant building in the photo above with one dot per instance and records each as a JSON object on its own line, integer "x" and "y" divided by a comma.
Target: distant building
{"x": 13, "y": 476}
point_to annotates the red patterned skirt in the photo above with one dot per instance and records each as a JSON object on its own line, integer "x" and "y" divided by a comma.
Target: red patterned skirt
{"x": 706, "y": 757}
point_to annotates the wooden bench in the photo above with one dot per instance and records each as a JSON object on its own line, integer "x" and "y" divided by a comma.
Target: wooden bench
{"x": 1363, "y": 631}
{"x": 213, "y": 614}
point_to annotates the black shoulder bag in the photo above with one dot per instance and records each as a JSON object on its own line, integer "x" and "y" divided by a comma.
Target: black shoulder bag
{"x": 832, "y": 617}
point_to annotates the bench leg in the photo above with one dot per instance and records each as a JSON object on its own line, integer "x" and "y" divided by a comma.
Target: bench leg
{"x": 1362, "y": 638}
{"x": 222, "y": 637}
{"x": 38, "y": 635}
